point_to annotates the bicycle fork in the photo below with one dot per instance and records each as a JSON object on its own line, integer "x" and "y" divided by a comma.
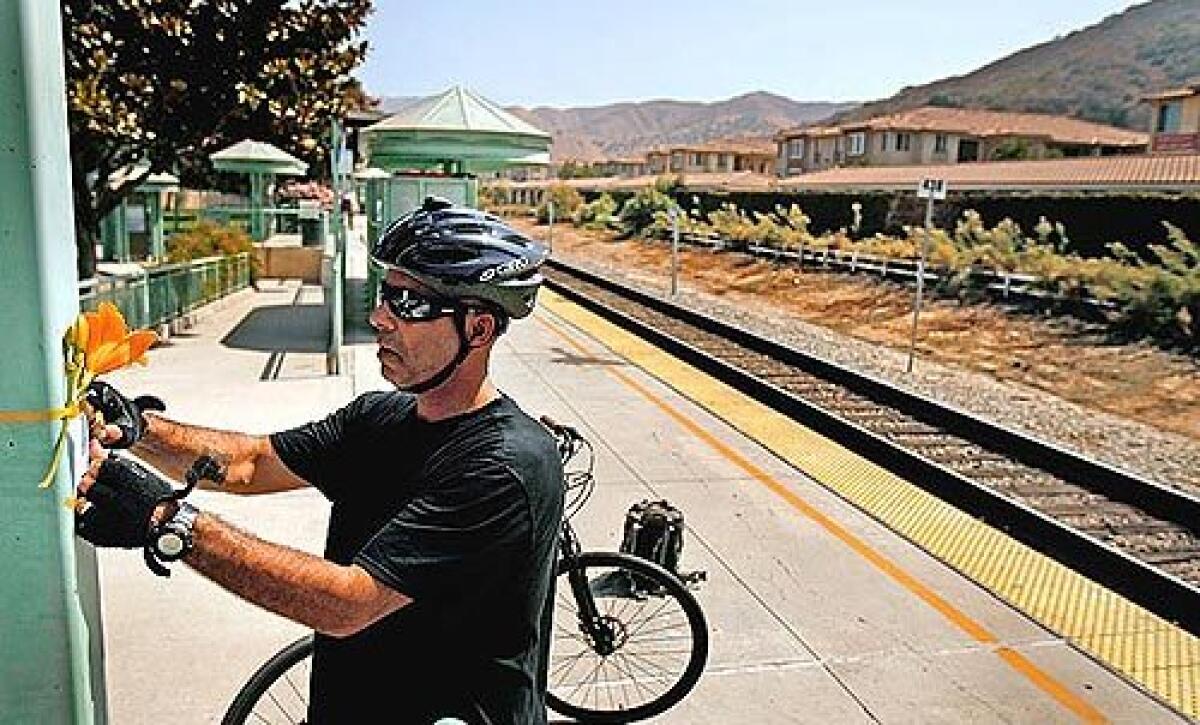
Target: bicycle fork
{"x": 597, "y": 628}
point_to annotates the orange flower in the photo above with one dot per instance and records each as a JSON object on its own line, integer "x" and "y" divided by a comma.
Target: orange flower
{"x": 98, "y": 343}
{"x": 110, "y": 344}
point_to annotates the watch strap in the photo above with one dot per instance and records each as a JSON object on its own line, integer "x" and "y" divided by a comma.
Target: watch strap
{"x": 172, "y": 539}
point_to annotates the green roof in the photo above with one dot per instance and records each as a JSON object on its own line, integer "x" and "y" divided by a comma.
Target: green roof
{"x": 457, "y": 129}
{"x": 258, "y": 156}
{"x": 457, "y": 109}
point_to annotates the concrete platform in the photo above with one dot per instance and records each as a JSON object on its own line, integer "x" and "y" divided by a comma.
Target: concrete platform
{"x": 805, "y": 627}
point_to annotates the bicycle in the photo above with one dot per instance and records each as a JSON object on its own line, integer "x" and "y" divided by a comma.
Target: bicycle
{"x": 630, "y": 640}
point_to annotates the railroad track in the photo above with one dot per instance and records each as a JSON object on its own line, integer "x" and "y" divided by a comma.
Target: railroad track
{"x": 1135, "y": 536}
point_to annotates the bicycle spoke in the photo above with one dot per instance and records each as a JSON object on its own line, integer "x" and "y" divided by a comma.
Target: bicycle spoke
{"x": 622, "y": 663}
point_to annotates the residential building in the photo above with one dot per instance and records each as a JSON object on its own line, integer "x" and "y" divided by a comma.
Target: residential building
{"x": 626, "y": 167}
{"x": 724, "y": 156}
{"x": 935, "y": 135}
{"x": 1175, "y": 121}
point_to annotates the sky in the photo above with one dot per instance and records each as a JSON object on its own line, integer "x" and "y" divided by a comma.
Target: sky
{"x": 572, "y": 53}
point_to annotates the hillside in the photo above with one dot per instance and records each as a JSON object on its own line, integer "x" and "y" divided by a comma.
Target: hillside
{"x": 1098, "y": 73}
{"x": 622, "y": 129}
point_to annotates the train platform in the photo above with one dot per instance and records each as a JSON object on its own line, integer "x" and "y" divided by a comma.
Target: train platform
{"x": 817, "y": 612}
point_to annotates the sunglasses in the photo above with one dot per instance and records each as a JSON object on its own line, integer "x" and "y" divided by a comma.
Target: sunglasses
{"x": 412, "y": 306}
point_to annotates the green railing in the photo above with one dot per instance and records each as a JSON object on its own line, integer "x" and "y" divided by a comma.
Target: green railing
{"x": 278, "y": 219}
{"x": 161, "y": 294}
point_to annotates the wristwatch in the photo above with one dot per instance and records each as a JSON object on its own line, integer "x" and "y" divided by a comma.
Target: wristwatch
{"x": 172, "y": 539}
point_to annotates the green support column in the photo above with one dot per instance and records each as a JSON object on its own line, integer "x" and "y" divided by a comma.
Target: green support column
{"x": 51, "y": 669}
{"x": 155, "y": 215}
{"x": 258, "y": 191}
{"x": 123, "y": 247}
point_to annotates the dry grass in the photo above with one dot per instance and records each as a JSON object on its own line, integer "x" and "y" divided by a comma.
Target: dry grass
{"x": 1138, "y": 382}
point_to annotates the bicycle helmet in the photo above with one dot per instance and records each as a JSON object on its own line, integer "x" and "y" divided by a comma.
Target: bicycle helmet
{"x": 464, "y": 254}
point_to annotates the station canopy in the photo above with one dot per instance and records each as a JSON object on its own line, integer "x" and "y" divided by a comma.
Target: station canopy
{"x": 455, "y": 131}
{"x": 257, "y": 157}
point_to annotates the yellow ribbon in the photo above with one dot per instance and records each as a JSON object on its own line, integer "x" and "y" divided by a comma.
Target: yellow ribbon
{"x": 38, "y": 416}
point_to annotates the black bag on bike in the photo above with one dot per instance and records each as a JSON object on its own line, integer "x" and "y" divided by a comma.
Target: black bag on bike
{"x": 654, "y": 531}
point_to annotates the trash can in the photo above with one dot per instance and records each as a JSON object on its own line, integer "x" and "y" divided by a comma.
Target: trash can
{"x": 312, "y": 224}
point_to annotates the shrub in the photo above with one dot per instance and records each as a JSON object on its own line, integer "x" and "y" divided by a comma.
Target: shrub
{"x": 1164, "y": 300}
{"x": 209, "y": 239}
{"x": 600, "y": 213}
{"x": 646, "y": 211}
{"x": 566, "y": 200}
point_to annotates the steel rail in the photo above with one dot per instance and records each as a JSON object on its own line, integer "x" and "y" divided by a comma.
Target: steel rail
{"x": 1156, "y": 590}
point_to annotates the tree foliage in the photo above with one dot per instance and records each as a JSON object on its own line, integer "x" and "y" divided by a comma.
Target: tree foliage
{"x": 168, "y": 82}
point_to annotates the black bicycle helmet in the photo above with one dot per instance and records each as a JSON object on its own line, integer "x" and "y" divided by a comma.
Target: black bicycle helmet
{"x": 461, "y": 253}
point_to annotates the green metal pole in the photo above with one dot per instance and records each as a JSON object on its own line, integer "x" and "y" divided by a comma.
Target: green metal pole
{"x": 51, "y": 668}
{"x": 338, "y": 267}
{"x": 122, "y": 212}
{"x": 257, "y": 193}
{"x": 155, "y": 208}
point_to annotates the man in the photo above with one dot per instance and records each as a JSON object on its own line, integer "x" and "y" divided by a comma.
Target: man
{"x": 433, "y": 599}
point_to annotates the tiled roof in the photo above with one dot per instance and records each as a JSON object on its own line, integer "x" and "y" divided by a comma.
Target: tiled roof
{"x": 757, "y": 146}
{"x": 1115, "y": 173}
{"x": 1106, "y": 172}
{"x": 1185, "y": 92}
{"x": 739, "y": 181}
{"x": 990, "y": 123}
{"x": 809, "y": 131}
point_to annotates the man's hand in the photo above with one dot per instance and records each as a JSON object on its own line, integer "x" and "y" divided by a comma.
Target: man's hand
{"x": 123, "y": 420}
{"x": 119, "y": 502}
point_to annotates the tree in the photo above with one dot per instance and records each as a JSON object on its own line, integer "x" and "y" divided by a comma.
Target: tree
{"x": 168, "y": 82}
{"x": 1012, "y": 150}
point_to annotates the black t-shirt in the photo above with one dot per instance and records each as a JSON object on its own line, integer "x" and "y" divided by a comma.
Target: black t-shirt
{"x": 462, "y": 515}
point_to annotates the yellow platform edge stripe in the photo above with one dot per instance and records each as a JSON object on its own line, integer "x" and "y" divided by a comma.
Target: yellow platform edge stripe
{"x": 1148, "y": 650}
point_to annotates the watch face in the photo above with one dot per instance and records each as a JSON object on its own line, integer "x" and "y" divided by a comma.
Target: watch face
{"x": 170, "y": 544}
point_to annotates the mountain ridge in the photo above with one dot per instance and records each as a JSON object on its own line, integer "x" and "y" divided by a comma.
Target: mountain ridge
{"x": 627, "y": 128}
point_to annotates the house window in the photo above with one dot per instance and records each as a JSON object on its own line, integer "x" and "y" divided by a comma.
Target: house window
{"x": 856, "y": 144}
{"x": 1169, "y": 118}
{"x": 903, "y": 141}
{"x": 883, "y": 141}
{"x": 697, "y": 160}
{"x": 795, "y": 148}
{"x": 939, "y": 143}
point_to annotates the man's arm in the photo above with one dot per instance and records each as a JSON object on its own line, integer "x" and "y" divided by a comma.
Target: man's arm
{"x": 252, "y": 465}
{"x": 332, "y": 599}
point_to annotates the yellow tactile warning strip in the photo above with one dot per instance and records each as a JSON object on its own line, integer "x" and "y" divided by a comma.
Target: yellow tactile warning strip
{"x": 1145, "y": 648}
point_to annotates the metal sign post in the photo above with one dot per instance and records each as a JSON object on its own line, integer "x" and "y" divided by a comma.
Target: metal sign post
{"x": 550, "y": 232}
{"x": 673, "y": 213}
{"x": 928, "y": 189}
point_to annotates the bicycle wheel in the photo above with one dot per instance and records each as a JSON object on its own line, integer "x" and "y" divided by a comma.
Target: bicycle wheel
{"x": 657, "y": 641}
{"x": 278, "y": 691}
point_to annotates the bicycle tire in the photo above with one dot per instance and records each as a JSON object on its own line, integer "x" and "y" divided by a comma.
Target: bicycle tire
{"x": 264, "y": 678}
{"x": 663, "y": 586}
